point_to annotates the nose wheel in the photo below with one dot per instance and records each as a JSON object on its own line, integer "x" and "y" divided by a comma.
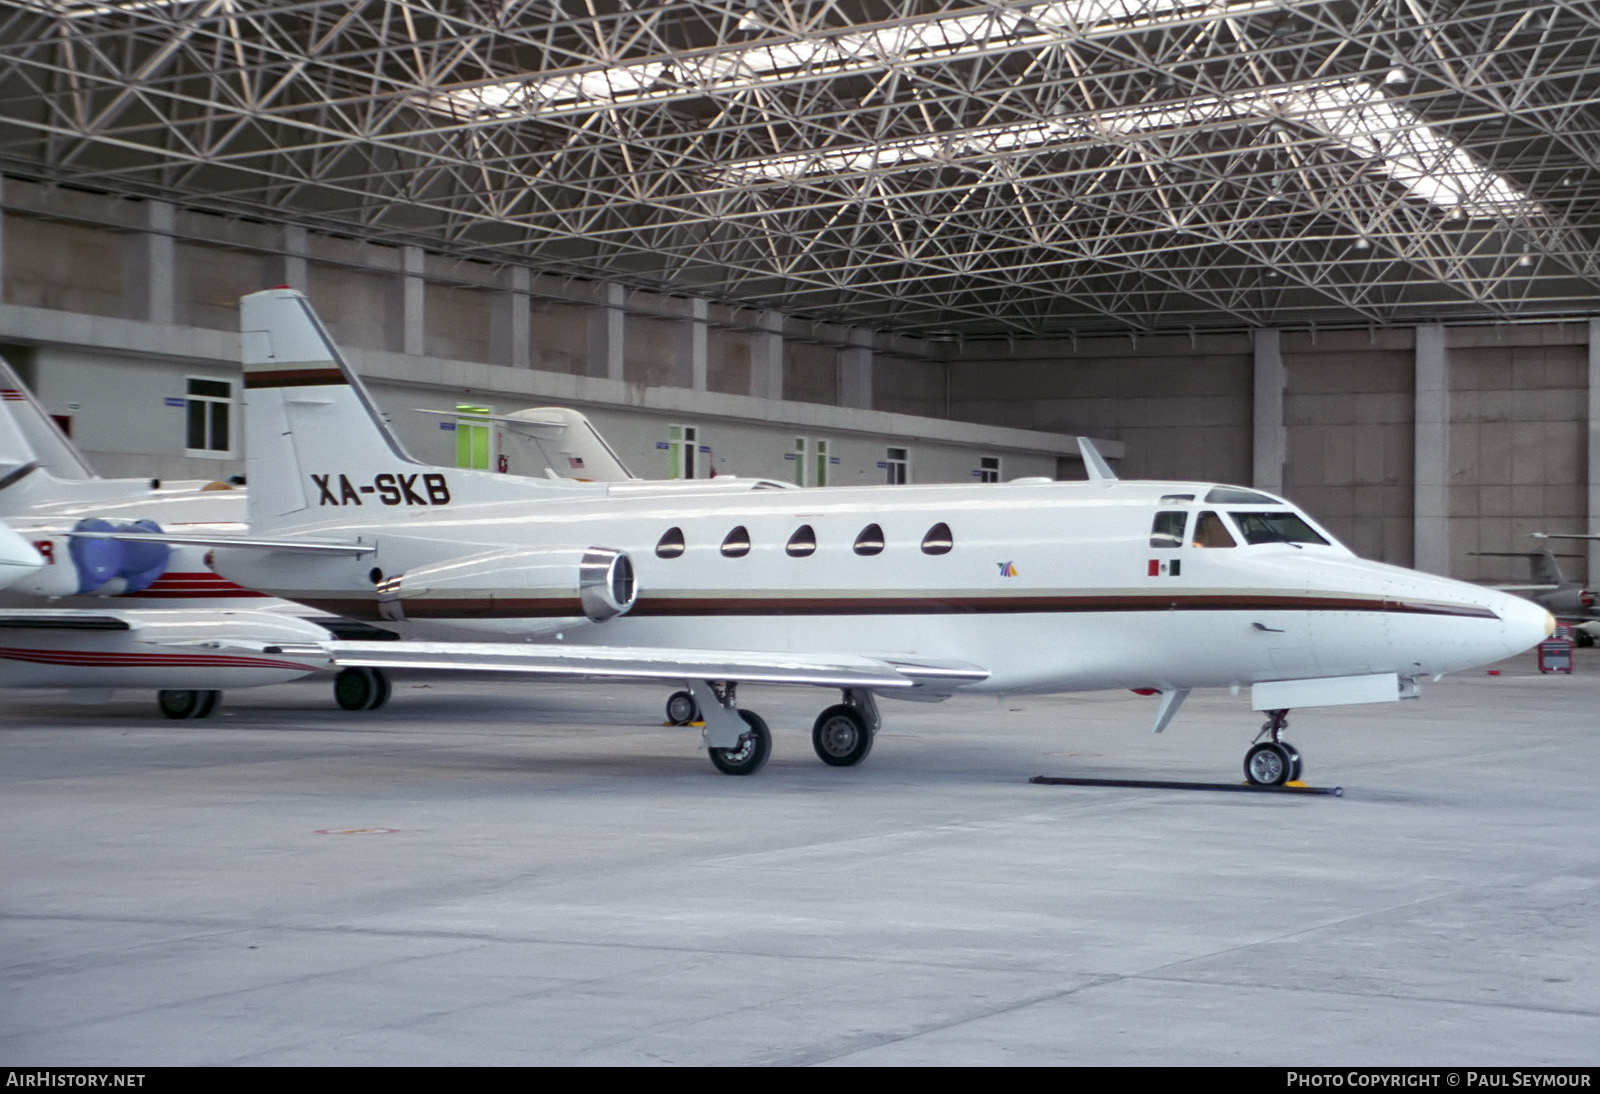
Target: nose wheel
{"x": 1275, "y": 761}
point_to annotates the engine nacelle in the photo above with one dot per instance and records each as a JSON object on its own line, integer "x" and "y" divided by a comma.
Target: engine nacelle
{"x": 596, "y": 583}
{"x": 79, "y": 566}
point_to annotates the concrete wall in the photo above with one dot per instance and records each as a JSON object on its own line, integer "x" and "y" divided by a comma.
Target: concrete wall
{"x": 1183, "y": 407}
{"x": 1518, "y": 444}
{"x": 1348, "y": 413}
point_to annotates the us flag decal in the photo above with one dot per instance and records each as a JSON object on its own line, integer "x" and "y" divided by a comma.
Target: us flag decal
{"x": 1161, "y": 567}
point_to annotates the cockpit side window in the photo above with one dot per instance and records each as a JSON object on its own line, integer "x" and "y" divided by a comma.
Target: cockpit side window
{"x": 1279, "y": 527}
{"x": 1167, "y": 531}
{"x": 1209, "y": 531}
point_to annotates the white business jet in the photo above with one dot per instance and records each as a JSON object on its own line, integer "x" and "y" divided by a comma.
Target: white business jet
{"x": 910, "y": 591}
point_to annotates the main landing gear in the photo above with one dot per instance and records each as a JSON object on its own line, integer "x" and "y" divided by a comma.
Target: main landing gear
{"x": 361, "y": 689}
{"x": 187, "y": 704}
{"x": 1273, "y": 762}
{"x": 739, "y": 742}
{"x": 843, "y": 734}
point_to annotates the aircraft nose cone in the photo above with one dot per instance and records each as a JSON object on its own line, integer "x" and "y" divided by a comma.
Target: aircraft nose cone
{"x": 18, "y": 559}
{"x": 1526, "y": 624}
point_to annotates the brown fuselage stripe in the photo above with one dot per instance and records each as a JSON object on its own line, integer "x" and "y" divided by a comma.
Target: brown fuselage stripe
{"x": 294, "y": 377}
{"x": 530, "y": 608}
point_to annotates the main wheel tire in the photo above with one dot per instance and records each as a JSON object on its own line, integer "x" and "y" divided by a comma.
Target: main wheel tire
{"x": 1296, "y": 765}
{"x": 187, "y": 704}
{"x": 360, "y": 689}
{"x": 382, "y": 691}
{"x": 751, "y": 752}
{"x": 1267, "y": 764}
{"x": 841, "y": 737}
{"x": 682, "y": 709}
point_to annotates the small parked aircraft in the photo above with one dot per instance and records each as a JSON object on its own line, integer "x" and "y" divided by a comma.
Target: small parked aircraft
{"x": 912, "y": 591}
{"x": 1569, "y": 601}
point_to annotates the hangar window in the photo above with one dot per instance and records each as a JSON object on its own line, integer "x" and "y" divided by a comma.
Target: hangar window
{"x": 1209, "y": 531}
{"x": 736, "y": 544}
{"x": 209, "y": 427}
{"x": 1167, "y": 531}
{"x": 802, "y": 543}
{"x": 870, "y": 541}
{"x": 670, "y": 545}
{"x": 938, "y": 541}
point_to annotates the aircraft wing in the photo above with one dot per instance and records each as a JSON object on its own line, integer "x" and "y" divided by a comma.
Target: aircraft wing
{"x": 66, "y": 620}
{"x": 649, "y": 663}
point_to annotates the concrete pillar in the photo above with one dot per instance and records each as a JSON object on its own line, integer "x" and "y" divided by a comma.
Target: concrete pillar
{"x": 766, "y": 357}
{"x": 1594, "y": 451}
{"x": 1431, "y": 500}
{"x": 161, "y": 263}
{"x": 510, "y": 334}
{"x": 699, "y": 349}
{"x": 855, "y": 371}
{"x": 608, "y": 333}
{"x": 293, "y": 267}
{"x": 413, "y": 301}
{"x": 2, "y": 237}
{"x": 1271, "y": 441}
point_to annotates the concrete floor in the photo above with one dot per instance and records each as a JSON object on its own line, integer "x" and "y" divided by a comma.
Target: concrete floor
{"x": 541, "y": 874}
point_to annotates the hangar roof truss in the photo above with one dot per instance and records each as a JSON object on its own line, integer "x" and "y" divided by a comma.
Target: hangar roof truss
{"x": 962, "y": 168}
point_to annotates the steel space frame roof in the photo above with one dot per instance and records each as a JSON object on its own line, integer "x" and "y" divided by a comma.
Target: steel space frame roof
{"x": 963, "y": 168}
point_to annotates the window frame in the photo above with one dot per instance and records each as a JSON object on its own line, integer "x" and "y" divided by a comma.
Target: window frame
{"x": 230, "y": 402}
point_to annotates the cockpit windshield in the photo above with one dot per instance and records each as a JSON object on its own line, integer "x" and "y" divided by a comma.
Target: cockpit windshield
{"x": 1276, "y": 527}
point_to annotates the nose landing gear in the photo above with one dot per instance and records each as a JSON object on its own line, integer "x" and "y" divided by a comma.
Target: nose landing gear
{"x": 1273, "y": 762}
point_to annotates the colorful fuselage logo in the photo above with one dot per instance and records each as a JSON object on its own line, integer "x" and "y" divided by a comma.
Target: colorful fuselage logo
{"x": 1007, "y": 569}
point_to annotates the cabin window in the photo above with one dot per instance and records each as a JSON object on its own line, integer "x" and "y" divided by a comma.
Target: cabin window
{"x": 736, "y": 544}
{"x": 1167, "y": 531}
{"x": 802, "y": 543}
{"x": 670, "y": 545}
{"x": 938, "y": 541}
{"x": 1275, "y": 528}
{"x": 1176, "y": 499}
{"x": 1209, "y": 531}
{"x": 870, "y": 541}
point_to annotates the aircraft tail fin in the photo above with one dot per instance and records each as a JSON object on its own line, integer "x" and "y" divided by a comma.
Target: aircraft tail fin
{"x": 16, "y": 455}
{"x": 316, "y": 446}
{"x": 48, "y": 444}
{"x": 1094, "y": 463}
{"x": 1545, "y": 569}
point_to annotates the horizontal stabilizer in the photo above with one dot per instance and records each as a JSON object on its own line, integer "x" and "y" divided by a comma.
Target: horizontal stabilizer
{"x": 302, "y": 546}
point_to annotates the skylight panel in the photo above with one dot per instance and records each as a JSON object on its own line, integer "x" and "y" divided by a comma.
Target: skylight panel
{"x": 1356, "y": 114}
{"x": 944, "y": 39}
